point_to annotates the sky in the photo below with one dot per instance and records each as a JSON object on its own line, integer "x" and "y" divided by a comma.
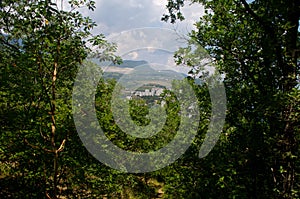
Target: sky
{"x": 114, "y": 16}
{"x": 136, "y": 27}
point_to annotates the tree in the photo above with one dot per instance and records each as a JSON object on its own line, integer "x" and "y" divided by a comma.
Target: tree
{"x": 42, "y": 45}
{"x": 256, "y": 46}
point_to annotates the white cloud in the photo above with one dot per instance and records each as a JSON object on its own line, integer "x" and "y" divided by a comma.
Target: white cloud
{"x": 133, "y": 55}
{"x": 119, "y": 15}
{"x": 160, "y": 2}
{"x": 121, "y": 21}
{"x": 135, "y": 4}
{"x": 151, "y": 49}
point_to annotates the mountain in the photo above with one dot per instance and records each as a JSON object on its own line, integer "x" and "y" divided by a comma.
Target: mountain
{"x": 145, "y": 74}
{"x": 124, "y": 64}
{"x": 130, "y": 64}
{"x": 139, "y": 72}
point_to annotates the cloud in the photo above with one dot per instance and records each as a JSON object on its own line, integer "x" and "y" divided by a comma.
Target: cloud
{"x": 149, "y": 39}
{"x": 133, "y": 55}
{"x": 118, "y": 15}
{"x": 121, "y": 20}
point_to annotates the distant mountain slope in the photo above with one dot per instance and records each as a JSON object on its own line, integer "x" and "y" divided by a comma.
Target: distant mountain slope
{"x": 139, "y": 72}
{"x": 130, "y": 64}
{"x": 125, "y": 64}
{"x": 145, "y": 74}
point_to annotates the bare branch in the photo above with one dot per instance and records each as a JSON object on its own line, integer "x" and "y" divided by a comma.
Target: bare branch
{"x": 62, "y": 146}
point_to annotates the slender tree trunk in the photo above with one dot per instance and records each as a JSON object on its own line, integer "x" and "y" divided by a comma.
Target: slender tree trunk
{"x": 53, "y": 131}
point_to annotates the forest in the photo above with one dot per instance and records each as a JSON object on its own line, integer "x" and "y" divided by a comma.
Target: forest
{"x": 254, "y": 44}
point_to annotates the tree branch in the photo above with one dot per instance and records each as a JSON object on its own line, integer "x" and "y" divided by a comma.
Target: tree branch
{"x": 254, "y": 15}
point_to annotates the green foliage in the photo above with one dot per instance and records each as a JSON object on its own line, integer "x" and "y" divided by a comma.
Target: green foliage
{"x": 138, "y": 109}
{"x": 42, "y": 44}
{"x": 255, "y": 46}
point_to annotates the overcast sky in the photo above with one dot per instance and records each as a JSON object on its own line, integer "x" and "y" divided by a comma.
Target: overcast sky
{"x": 119, "y": 19}
{"x": 113, "y": 16}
